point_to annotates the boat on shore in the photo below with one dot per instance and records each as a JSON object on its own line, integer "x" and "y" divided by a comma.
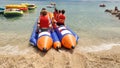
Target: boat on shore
{"x": 58, "y": 37}
{"x": 13, "y": 12}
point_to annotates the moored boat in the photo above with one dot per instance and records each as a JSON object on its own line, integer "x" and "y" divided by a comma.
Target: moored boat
{"x": 102, "y": 5}
{"x": 15, "y": 6}
{"x": 1, "y": 10}
{"x": 30, "y": 6}
{"x": 13, "y": 12}
{"x": 49, "y": 6}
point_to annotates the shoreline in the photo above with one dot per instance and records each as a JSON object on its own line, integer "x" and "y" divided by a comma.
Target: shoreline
{"x": 18, "y": 53}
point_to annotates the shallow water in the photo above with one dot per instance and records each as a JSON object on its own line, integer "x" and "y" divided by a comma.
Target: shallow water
{"x": 87, "y": 19}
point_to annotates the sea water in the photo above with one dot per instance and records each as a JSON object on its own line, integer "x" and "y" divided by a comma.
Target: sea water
{"x": 90, "y": 22}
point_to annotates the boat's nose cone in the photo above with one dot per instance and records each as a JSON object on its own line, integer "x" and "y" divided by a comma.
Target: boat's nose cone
{"x": 44, "y": 50}
{"x": 69, "y": 41}
{"x": 57, "y": 48}
{"x": 72, "y": 47}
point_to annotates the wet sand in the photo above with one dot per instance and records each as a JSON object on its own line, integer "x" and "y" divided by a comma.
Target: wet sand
{"x": 16, "y": 52}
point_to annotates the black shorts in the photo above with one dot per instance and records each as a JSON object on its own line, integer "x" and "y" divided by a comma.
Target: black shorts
{"x": 44, "y": 29}
{"x": 59, "y": 24}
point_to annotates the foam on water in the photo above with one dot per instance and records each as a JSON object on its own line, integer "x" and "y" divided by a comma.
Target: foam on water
{"x": 13, "y": 50}
{"x": 98, "y": 48}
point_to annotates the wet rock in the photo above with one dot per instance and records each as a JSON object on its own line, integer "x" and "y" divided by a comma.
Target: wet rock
{"x": 107, "y": 10}
{"x": 118, "y": 14}
{"x": 114, "y": 12}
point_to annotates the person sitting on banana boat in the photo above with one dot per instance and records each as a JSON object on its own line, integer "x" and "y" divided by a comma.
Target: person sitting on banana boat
{"x": 44, "y": 22}
{"x": 61, "y": 18}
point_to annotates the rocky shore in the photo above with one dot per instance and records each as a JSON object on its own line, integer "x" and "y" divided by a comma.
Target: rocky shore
{"x": 113, "y": 12}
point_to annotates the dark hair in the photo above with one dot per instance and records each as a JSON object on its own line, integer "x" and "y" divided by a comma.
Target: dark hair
{"x": 56, "y": 10}
{"x": 44, "y": 12}
{"x": 43, "y": 8}
{"x": 63, "y": 11}
{"x": 60, "y": 11}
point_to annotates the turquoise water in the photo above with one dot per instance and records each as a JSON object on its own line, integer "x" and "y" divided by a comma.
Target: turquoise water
{"x": 86, "y": 18}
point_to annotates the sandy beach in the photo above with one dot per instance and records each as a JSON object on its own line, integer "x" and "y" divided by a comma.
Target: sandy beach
{"x": 16, "y": 52}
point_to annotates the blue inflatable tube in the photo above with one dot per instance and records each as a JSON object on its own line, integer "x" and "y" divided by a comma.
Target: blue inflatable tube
{"x": 34, "y": 36}
{"x": 54, "y": 36}
{"x": 76, "y": 36}
{"x": 60, "y": 36}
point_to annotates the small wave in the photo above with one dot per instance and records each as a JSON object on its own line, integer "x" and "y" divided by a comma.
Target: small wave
{"x": 13, "y": 50}
{"x": 98, "y": 48}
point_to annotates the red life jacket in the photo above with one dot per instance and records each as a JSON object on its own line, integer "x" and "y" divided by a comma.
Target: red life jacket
{"x": 44, "y": 21}
{"x": 61, "y": 18}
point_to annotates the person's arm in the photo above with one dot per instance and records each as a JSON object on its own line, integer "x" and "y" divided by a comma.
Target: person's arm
{"x": 38, "y": 22}
{"x": 38, "y": 25}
